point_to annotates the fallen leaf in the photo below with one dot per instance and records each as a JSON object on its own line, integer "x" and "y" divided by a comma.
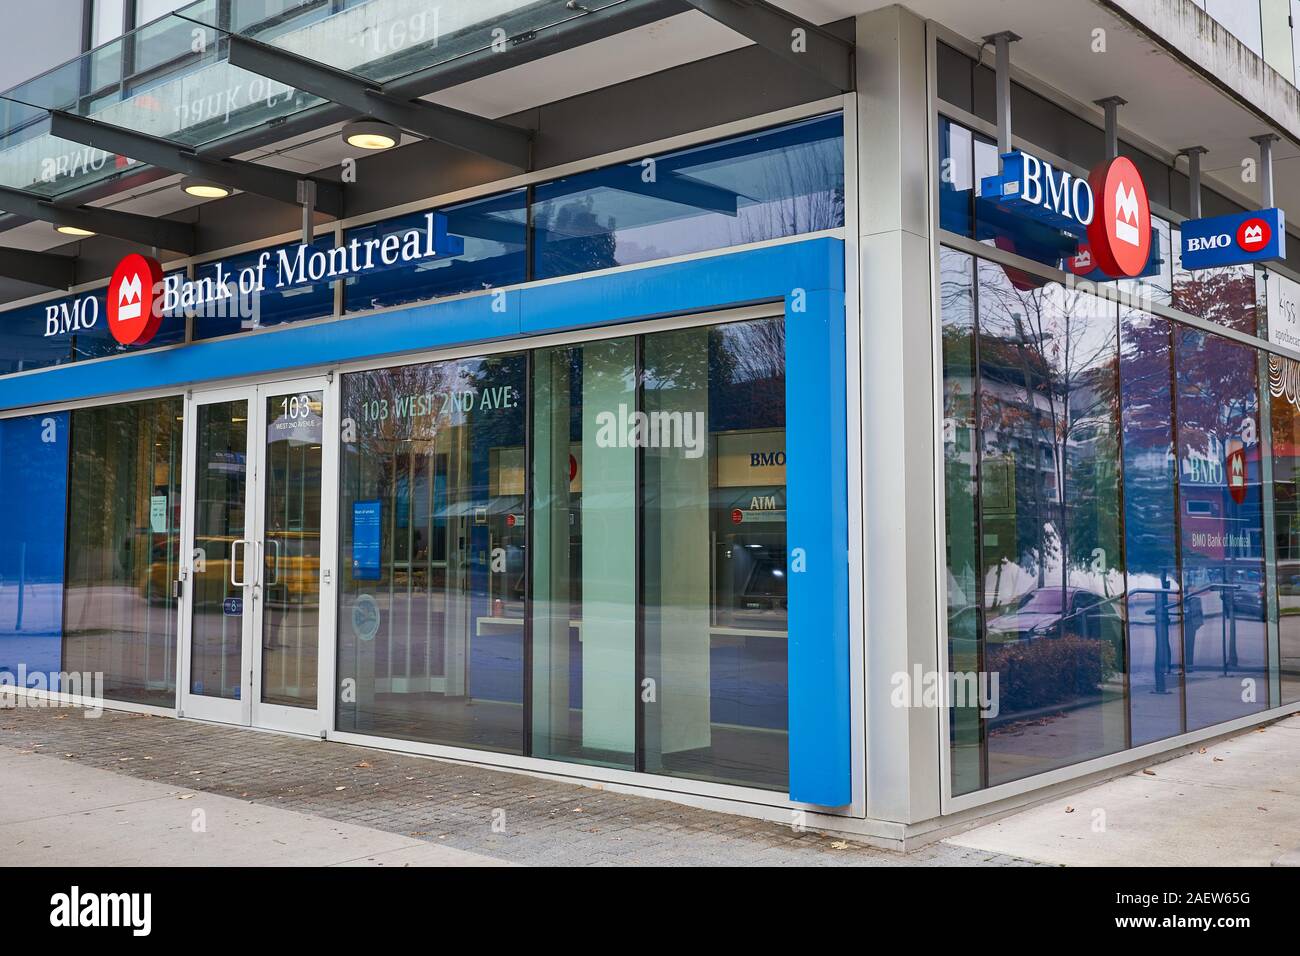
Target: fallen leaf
{"x": 1069, "y": 809}
{"x": 840, "y": 845}
{"x": 364, "y": 765}
{"x": 340, "y": 788}
{"x": 1149, "y": 773}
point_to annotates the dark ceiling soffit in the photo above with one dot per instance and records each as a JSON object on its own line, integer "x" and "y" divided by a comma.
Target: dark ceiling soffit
{"x": 499, "y": 141}
{"x": 38, "y": 268}
{"x": 823, "y": 54}
{"x": 142, "y": 230}
{"x": 574, "y": 32}
{"x": 277, "y": 184}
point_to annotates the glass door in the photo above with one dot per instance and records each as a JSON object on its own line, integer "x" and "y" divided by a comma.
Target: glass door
{"x": 254, "y": 538}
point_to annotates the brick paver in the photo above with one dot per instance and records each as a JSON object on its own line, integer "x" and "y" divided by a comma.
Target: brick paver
{"x": 545, "y": 822}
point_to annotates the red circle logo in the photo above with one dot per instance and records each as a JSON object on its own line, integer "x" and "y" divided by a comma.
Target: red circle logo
{"x": 1119, "y": 235}
{"x": 135, "y": 299}
{"x": 737, "y": 516}
{"x": 1253, "y": 235}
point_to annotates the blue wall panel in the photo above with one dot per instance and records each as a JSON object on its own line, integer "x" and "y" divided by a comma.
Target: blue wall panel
{"x": 34, "y": 490}
{"x": 817, "y": 547}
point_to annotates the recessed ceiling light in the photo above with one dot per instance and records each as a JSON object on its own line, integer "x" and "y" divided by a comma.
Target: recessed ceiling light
{"x": 371, "y": 134}
{"x": 204, "y": 189}
{"x": 73, "y": 231}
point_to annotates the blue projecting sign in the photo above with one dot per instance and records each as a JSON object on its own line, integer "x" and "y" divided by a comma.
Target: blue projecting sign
{"x": 1255, "y": 236}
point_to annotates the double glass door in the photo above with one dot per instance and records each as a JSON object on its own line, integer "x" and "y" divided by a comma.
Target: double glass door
{"x": 258, "y": 543}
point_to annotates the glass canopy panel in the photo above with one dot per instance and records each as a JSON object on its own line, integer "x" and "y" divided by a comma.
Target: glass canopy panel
{"x": 384, "y": 40}
{"x": 172, "y": 78}
{"x": 169, "y": 79}
{"x": 46, "y": 166}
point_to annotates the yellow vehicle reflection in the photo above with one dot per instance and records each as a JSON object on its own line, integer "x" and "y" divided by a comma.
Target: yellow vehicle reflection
{"x": 291, "y": 572}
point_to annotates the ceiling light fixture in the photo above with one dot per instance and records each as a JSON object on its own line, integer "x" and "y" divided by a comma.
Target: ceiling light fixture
{"x": 371, "y": 134}
{"x": 73, "y": 231}
{"x": 204, "y": 188}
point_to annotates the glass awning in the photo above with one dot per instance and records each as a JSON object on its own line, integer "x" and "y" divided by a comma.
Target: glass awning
{"x": 173, "y": 80}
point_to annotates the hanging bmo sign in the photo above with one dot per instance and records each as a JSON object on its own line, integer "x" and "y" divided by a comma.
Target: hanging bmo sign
{"x": 1244, "y": 237}
{"x": 1108, "y": 212}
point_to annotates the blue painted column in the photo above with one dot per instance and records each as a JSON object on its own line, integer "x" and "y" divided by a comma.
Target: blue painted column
{"x": 817, "y": 546}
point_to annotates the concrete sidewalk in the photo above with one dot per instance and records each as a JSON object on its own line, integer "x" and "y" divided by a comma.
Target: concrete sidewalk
{"x": 1231, "y": 803}
{"x": 56, "y": 813}
{"x": 257, "y": 787}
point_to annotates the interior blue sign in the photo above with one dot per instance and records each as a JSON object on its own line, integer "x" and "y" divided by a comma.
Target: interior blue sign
{"x": 1030, "y": 187}
{"x": 1255, "y": 236}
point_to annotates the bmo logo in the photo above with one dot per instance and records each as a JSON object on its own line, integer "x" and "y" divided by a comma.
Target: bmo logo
{"x": 1254, "y": 235}
{"x": 135, "y": 299}
{"x": 1119, "y": 236}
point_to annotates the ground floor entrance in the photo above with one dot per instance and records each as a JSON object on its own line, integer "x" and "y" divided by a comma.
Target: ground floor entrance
{"x": 253, "y": 535}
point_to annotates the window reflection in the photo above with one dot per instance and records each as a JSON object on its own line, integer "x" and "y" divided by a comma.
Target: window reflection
{"x": 432, "y": 535}
{"x": 1156, "y": 609}
{"x": 1284, "y": 392}
{"x": 715, "y": 554}
{"x": 1224, "y": 637}
{"x": 1049, "y": 495}
{"x": 123, "y": 548}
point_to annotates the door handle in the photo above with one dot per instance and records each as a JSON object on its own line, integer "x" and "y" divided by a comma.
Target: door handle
{"x": 234, "y": 562}
{"x": 275, "y": 565}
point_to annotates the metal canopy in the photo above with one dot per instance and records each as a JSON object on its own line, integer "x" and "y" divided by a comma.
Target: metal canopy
{"x": 790, "y": 37}
{"x": 144, "y": 230}
{"x": 38, "y": 268}
{"x": 508, "y": 144}
{"x": 249, "y": 177}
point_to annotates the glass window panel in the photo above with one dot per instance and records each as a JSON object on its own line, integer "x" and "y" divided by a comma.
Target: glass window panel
{"x": 1049, "y": 495}
{"x": 33, "y": 472}
{"x": 1284, "y": 389}
{"x": 765, "y": 185}
{"x": 1225, "y": 295}
{"x": 1155, "y": 610}
{"x": 956, "y": 178}
{"x": 495, "y": 234}
{"x": 123, "y": 548}
{"x": 292, "y": 527}
{"x": 961, "y": 530}
{"x": 1225, "y": 642}
{"x": 714, "y": 496}
{"x": 585, "y": 565}
{"x": 220, "y": 524}
{"x": 432, "y": 538}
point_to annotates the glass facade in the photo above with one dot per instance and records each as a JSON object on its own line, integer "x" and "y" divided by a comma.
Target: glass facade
{"x": 123, "y": 548}
{"x": 1113, "y": 497}
{"x": 577, "y": 552}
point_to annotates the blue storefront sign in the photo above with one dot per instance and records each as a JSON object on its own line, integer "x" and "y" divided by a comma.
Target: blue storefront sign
{"x": 366, "y": 524}
{"x": 1258, "y": 235}
{"x": 1030, "y": 187}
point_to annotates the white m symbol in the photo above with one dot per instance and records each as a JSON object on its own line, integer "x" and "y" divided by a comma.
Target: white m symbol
{"x": 1254, "y": 234}
{"x": 1126, "y": 215}
{"x": 128, "y": 299}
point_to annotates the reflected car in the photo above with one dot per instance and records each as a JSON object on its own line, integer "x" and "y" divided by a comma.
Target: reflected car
{"x": 1058, "y": 612}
